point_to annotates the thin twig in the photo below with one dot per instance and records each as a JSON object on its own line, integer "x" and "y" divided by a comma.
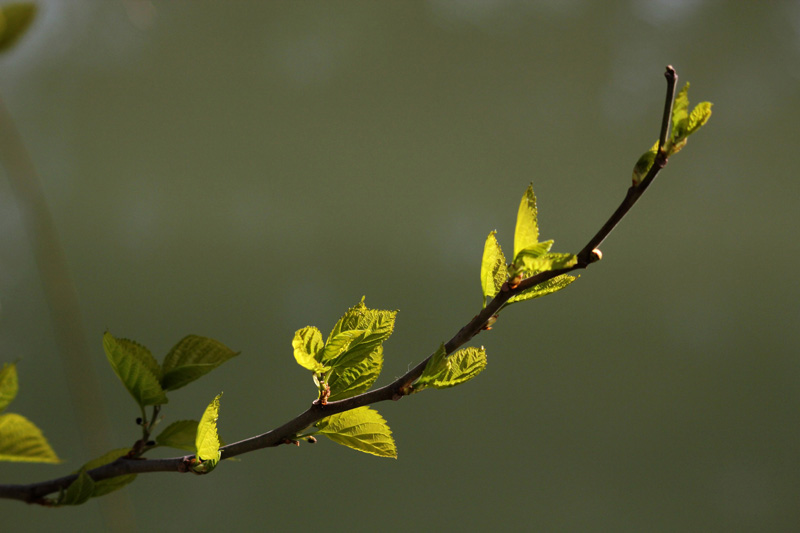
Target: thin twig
{"x": 34, "y": 493}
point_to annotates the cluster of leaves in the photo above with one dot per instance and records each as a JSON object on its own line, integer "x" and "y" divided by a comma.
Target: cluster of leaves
{"x": 349, "y": 362}
{"x": 683, "y": 125}
{"x": 148, "y": 382}
{"x": 530, "y": 258}
{"x": 20, "y": 439}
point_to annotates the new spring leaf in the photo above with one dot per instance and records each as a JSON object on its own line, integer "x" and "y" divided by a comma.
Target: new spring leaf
{"x": 362, "y": 429}
{"x": 207, "y": 439}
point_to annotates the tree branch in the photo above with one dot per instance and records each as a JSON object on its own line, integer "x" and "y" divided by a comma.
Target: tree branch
{"x": 402, "y": 386}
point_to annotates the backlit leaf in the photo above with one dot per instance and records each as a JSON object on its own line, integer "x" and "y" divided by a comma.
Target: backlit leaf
{"x": 699, "y": 116}
{"x": 134, "y": 370}
{"x": 493, "y": 268}
{"x": 526, "y": 233}
{"x": 307, "y": 344}
{"x": 350, "y": 380}
{"x": 8, "y": 384}
{"x": 644, "y": 164}
{"x": 207, "y": 439}
{"x": 22, "y": 441}
{"x": 542, "y": 289}
{"x": 363, "y": 330}
{"x": 456, "y": 368}
{"x": 362, "y": 429}
{"x": 192, "y": 358}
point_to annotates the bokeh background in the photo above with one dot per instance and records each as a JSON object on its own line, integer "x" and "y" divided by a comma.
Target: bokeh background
{"x": 243, "y": 169}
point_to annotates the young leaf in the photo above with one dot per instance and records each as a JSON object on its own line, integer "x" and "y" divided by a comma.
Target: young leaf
{"x": 644, "y": 163}
{"x": 527, "y": 230}
{"x": 699, "y": 116}
{"x": 436, "y": 366}
{"x": 134, "y": 369}
{"x": 180, "y": 435}
{"x": 207, "y": 439}
{"x": 458, "y": 368}
{"x": 307, "y": 344}
{"x": 493, "y": 268}
{"x": 105, "y": 486}
{"x": 8, "y": 384}
{"x": 680, "y": 116}
{"x": 355, "y": 379}
{"x": 363, "y": 330}
{"x": 192, "y": 358}
{"x": 548, "y": 287}
{"x": 533, "y": 263}
{"x": 22, "y": 441}
{"x": 79, "y": 490}
{"x": 14, "y": 20}
{"x": 336, "y": 345}
{"x": 362, "y": 429}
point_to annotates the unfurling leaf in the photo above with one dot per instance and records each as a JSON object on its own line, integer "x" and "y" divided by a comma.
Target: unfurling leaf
{"x": 22, "y": 441}
{"x": 192, "y": 358}
{"x": 105, "y": 486}
{"x": 370, "y": 327}
{"x": 452, "y": 370}
{"x": 526, "y": 233}
{"x": 685, "y": 123}
{"x": 181, "y": 435}
{"x": 493, "y": 268}
{"x": 8, "y": 385}
{"x": 542, "y": 289}
{"x": 362, "y": 429}
{"x": 644, "y": 164}
{"x": 307, "y": 344}
{"x": 133, "y": 364}
{"x": 699, "y": 116}
{"x": 14, "y": 20}
{"x": 207, "y": 439}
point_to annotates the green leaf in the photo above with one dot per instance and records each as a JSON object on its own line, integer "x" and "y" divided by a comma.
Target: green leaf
{"x": 134, "y": 369}
{"x": 142, "y": 354}
{"x": 14, "y": 20}
{"x": 644, "y": 164}
{"x": 180, "y": 435}
{"x": 22, "y": 441}
{"x": 192, "y": 358}
{"x": 8, "y": 385}
{"x": 336, "y": 345}
{"x": 680, "y": 113}
{"x": 369, "y": 329}
{"x": 362, "y": 429}
{"x": 526, "y": 233}
{"x": 436, "y": 366}
{"x": 207, "y": 439}
{"x": 355, "y": 379}
{"x": 79, "y": 490}
{"x": 531, "y": 263}
{"x": 699, "y": 116}
{"x": 548, "y": 287}
{"x": 453, "y": 370}
{"x": 307, "y": 344}
{"x": 493, "y": 268}
{"x": 105, "y": 486}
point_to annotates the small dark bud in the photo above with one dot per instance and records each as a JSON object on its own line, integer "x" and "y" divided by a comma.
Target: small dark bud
{"x": 311, "y": 440}
{"x": 139, "y": 421}
{"x": 151, "y": 443}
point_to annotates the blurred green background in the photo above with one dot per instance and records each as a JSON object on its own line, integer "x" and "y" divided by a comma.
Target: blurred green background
{"x": 243, "y": 169}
